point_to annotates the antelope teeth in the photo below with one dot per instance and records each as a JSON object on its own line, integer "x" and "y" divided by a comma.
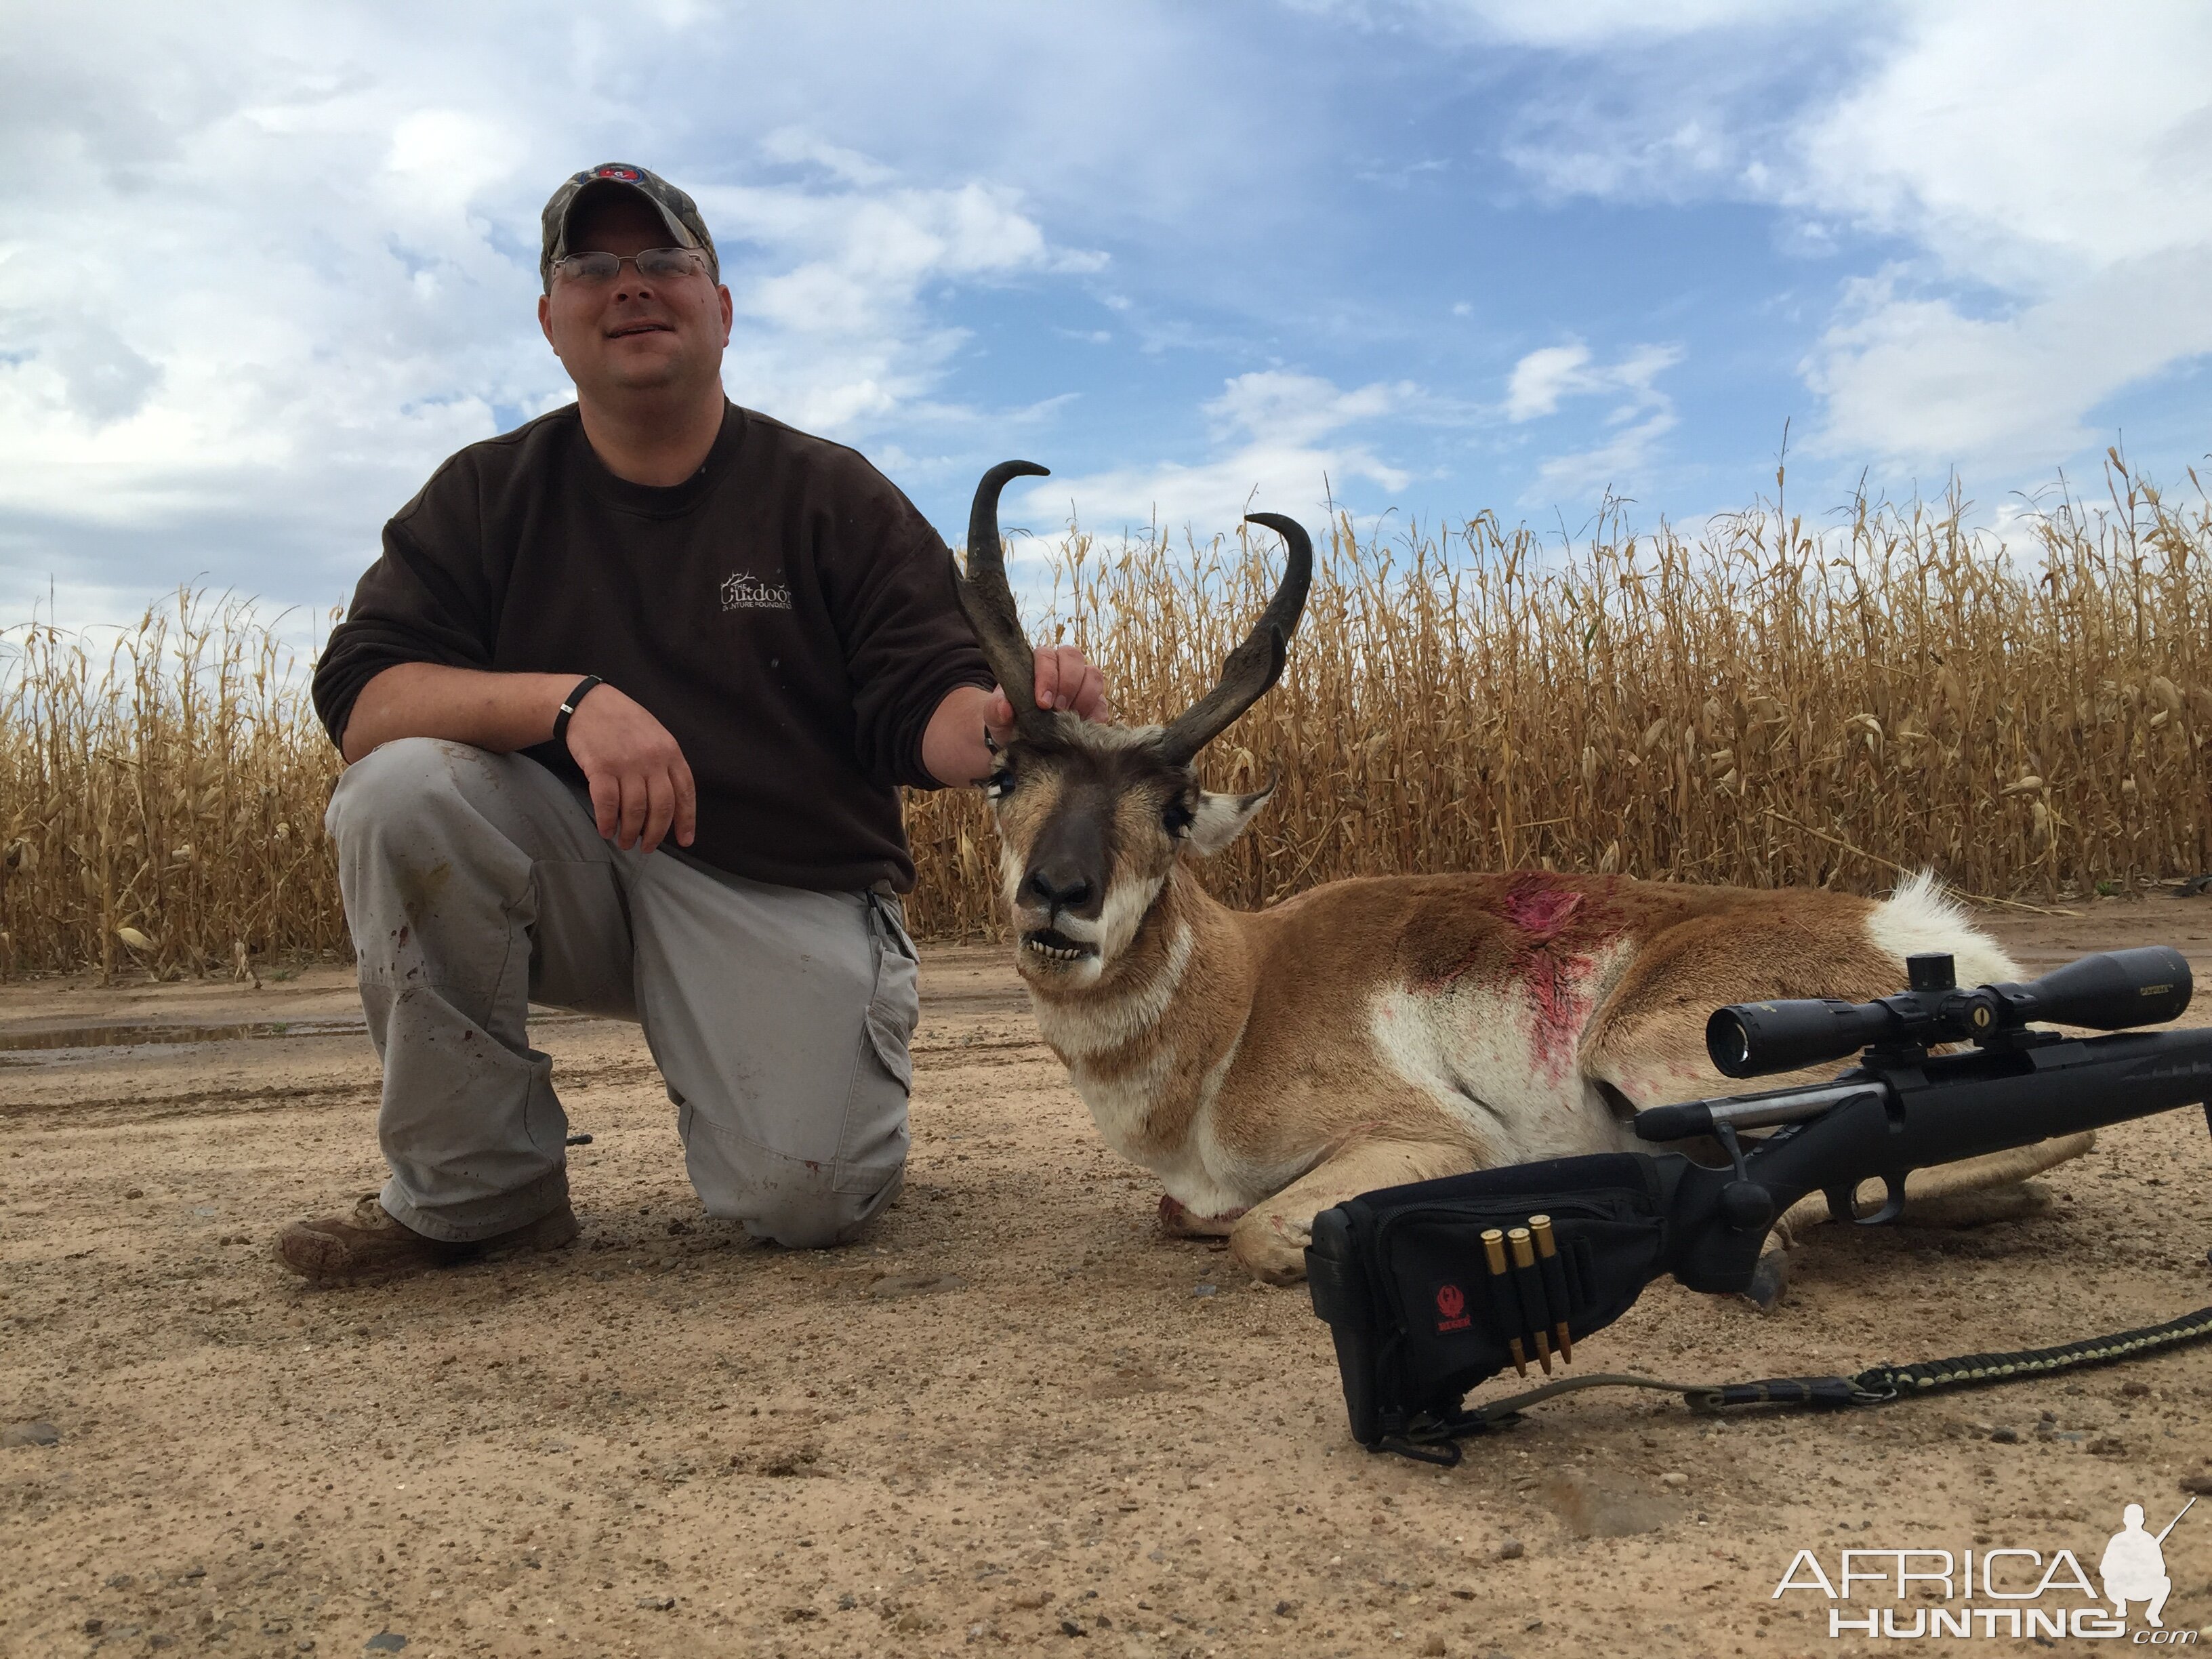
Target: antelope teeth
{"x": 1054, "y": 952}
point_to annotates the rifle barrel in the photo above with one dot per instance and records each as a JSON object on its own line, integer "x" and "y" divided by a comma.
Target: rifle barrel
{"x": 1702, "y": 1117}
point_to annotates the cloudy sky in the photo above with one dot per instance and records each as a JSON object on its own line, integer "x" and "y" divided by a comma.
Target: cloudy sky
{"x": 262, "y": 267}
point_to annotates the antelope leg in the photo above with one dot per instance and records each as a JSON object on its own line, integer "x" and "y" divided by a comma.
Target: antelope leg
{"x": 1179, "y": 1220}
{"x": 1270, "y": 1241}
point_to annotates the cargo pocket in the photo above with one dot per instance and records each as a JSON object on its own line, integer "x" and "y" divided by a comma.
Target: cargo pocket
{"x": 895, "y": 1008}
{"x": 873, "y": 1148}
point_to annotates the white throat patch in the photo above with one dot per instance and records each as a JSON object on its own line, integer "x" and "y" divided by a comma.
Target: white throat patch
{"x": 1087, "y": 1025}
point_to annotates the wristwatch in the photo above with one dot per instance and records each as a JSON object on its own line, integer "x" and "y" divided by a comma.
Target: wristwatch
{"x": 568, "y": 707}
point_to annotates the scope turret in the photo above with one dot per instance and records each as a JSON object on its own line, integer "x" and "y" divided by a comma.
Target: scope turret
{"x": 2108, "y": 992}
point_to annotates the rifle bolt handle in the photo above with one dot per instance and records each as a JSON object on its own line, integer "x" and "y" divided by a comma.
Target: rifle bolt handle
{"x": 1746, "y": 1205}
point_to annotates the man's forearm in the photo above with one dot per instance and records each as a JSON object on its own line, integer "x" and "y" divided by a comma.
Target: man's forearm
{"x": 497, "y": 712}
{"x": 952, "y": 747}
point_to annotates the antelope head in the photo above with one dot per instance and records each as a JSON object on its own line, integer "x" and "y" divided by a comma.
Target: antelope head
{"x": 1093, "y": 819}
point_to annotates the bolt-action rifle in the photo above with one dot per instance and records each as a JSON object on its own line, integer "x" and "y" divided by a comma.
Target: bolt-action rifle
{"x": 1430, "y": 1289}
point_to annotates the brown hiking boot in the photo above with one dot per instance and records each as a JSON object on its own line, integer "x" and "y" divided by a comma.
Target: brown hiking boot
{"x": 370, "y": 1243}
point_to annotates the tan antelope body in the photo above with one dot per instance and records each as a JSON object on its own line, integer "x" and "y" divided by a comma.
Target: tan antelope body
{"x": 1268, "y": 1065}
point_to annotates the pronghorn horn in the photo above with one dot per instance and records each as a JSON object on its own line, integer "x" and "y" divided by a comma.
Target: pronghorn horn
{"x": 1257, "y": 664}
{"x": 988, "y": 600}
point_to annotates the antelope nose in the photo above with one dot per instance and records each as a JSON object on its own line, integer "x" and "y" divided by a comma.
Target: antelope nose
{"x": 1058, "y": 887}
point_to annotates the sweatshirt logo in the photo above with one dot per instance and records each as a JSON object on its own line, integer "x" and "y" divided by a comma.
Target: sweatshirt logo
{"x": 741, "y": 591}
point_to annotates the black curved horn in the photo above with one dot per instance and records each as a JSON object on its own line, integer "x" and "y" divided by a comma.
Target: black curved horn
{"x": 987, "y": 599}
{"x": 1257, "y": 664}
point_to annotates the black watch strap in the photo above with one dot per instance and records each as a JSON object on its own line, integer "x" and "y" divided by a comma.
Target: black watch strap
{"x": 568, "y": 707}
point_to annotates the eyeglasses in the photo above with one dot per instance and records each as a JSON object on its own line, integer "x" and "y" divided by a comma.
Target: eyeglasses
{"x": 663, "y": 264}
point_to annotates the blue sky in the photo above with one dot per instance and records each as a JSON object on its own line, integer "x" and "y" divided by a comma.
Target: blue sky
{"x": 261, "y": 268}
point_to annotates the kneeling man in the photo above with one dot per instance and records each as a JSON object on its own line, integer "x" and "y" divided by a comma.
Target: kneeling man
{"x": 626, "y": 704}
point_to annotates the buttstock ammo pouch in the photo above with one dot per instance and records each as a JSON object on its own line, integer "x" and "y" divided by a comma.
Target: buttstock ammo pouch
{"x": 1433, "y": 1288}
{"x": 1409, "y": 1278}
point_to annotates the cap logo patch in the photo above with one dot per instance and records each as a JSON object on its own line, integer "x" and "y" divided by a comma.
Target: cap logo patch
{"x": 620, "y": 175}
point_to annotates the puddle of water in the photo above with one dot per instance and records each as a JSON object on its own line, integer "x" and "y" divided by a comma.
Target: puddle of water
{"x": 25, "y": 1048}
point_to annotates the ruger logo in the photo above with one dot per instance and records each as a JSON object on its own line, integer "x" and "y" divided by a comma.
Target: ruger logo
{"x": 741, "y": 592}
{"x": 1451, "y": 1302}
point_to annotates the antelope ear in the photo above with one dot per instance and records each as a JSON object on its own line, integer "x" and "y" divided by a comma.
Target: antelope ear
{"x": 1220, "y": 819}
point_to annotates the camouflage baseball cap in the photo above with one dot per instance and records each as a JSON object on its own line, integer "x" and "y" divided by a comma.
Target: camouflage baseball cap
{"x": 676, "y": 210}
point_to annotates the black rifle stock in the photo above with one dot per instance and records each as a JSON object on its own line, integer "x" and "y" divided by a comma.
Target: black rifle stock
{"x": 1419, "y": 1316}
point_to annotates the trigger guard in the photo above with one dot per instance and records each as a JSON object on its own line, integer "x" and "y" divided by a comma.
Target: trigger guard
{"x": 1842, "y": 1204}
{"x": 1892, "y": 1205}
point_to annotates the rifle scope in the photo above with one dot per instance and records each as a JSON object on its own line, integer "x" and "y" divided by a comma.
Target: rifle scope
{"x": 2108, "y": 992}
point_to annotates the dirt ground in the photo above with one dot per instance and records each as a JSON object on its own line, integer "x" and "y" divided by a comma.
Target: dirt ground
{"x": 1015, "y": 1415}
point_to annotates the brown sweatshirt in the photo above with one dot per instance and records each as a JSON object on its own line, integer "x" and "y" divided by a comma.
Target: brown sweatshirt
{"x": 785, "y": 612}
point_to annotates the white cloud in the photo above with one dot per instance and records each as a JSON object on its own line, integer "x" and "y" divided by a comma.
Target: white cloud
{"x": 841, "y": 338}
{"x": 798, "y": 147}
{"x": 1288, "y": 447}
{"x": 2022, "y": 139}
{"x": 2048, "y": 168}
{"x": 1593, "y": 22}
{"x": 1568, "y": 23}
{"x": 1297, "y": 410}
{"x": 1632, "y": 164}
{"x": 1541, "y": 380}
{"x": 2059, "y": 167}
{"x": 1913, "y": 379}
{"x": 273, "y": 266}
{"x": 1641, "y": 414}
{"x": 1613, "y": 466}
{"x": 1546, "y": 374}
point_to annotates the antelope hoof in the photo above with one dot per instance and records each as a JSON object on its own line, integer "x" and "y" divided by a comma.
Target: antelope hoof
{"x": 1274, "y": 1250}
{"x": 1179, "y": 1220}
{"x": 1769, "y": 1280}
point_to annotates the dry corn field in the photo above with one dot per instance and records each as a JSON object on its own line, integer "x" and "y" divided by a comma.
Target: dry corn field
{"x": 1772, "y": 703}
{"x": 1768, "y": 705}
{"x": 162, "y": 794}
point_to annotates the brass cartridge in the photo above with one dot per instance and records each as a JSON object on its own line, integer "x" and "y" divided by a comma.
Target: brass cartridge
{"x": 1555, "y": 1281}
{"x": 1531, "y": 1284}
{"x": 1493, "y": 1255}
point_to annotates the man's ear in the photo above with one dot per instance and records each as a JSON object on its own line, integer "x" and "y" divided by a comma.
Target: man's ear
{"x": 1220, "y": 819}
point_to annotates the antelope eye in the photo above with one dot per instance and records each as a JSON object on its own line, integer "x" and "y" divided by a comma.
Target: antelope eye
{"x": 1176, "y": 818}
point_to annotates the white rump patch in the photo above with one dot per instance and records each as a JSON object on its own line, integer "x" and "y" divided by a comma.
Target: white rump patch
{"x": 1922, "y": 917}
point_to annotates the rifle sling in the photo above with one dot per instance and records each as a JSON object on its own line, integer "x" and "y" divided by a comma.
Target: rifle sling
{"x": 1433, "y": 1440}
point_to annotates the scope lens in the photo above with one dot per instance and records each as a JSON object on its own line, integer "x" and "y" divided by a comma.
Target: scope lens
{"x": 1728, "y": 1042}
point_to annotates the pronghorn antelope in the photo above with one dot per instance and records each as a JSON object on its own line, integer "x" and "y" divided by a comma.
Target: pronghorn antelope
{"x": 1267, "y": 1066}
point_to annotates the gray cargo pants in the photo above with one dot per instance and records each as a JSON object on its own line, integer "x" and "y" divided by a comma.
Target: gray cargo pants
{"x": 475, "y": 884}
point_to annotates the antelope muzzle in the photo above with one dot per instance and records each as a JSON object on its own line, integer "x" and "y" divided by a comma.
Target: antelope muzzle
{"x": 1062, "y": 892}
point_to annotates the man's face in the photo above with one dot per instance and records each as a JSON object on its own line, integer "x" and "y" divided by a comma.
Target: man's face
{"x": 633, "y": 334}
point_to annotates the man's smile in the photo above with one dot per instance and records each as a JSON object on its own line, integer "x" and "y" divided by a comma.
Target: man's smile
{"x": 644, "y": 327}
